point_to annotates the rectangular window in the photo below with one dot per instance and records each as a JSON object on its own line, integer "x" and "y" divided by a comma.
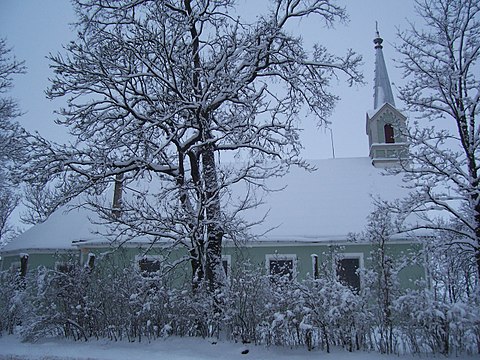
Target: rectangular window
{"x": 282, "y": 265}
{"x": 227, "y": 265}
{"x": 23, "y": 264}
{"x": 148, "y": 264}
{"x": 315, "y": 266}
{"x": 64, "y": 266}
{"x": 389, "y": 134}
{"x": 91, "y": 261}
{"x": 348, "y": 270}
{"x": 15, "y": 267}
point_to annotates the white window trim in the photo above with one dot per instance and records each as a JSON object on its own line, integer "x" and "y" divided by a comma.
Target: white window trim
{"x": 148, "y": 258}
{"x": 269, "y": 257}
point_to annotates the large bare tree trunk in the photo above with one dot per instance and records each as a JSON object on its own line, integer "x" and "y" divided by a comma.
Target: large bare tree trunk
{"x": 179, "y": 83}
{"x": 213, "y": 217}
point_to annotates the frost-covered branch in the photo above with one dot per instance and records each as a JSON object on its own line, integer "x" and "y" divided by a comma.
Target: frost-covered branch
{"x": 441, "y": 64}
{"x": 158, "y": 91}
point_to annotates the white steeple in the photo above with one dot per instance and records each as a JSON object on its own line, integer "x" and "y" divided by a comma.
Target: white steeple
{"x": 382, "y": 88}
{"x": 385, "y": 124}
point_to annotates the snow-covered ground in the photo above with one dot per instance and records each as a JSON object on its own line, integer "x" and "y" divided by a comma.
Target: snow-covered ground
{"x": 172, "y": 349}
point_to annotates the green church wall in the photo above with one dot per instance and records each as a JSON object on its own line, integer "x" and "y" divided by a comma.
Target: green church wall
{"x": 327, "y": 256}
{"x": 49, "y": 260}
{"x": 255, "y": 254}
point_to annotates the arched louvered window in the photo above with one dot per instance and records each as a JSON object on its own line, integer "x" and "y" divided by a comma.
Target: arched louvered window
{"x": 389, "y": 135}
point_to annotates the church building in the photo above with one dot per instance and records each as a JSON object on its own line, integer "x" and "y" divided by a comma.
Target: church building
{"x": 309, "y": 225}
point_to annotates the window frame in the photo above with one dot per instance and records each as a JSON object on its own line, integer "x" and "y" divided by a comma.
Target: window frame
{"x": 152, "y": 258}
{"x": 277, "y": 257}
{"x": 389, "y": 133}
{"x": 315, "y": 266}
{"x": 70, "y": 266}
{"x": 14, "y": 267}
{"x": 352, "y": 255}
{"x": 228, "y": 259}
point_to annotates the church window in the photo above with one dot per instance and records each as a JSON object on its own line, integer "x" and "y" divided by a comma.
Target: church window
{"x": 315, "y": 272}
{"x": 15, "y": 267}
{"x": 64, "y": 266}
{"x": 348, "y": 271}
{"x": 282, "y": 265}
{"x": 91, "y": 261}
{"x": 389, "y": 134}
{"x": 23, "y": 264}
{"x": 226, "y": 265}
{"x": 149, "y": 264}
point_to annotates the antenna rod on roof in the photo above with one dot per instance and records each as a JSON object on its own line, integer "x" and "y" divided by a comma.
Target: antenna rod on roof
{"x": 333, "y": 146}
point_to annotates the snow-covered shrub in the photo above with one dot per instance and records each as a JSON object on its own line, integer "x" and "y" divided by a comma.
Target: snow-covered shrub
{"x": 247, "y": 295}
{"x": 464, "y": 319}
{"x": 424, "y": 321}
{"x": 120, "y": 303}
{"x": 127, "y": 303}
{"x": 145, "y": 307}
{"x": 444, "y": 317}
{"x": 380, "y": 289}
{"x": 12, "y": 301}
{"x": 430, "y": 324}
{"x": 79, "y": 303}
{"x": 334, "y": 310}
{"x": 311, "y": 313}
{"x": 195, "y": 312}
{"x": 57, "y": 305}
{"x": 284, "y": 313}
{"x": 380, "y": 281}
{"x": 117, "y": 302}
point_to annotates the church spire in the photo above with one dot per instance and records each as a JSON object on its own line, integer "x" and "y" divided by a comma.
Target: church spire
{"x": 382, "y": 88}
{"x": 385, "y": 124}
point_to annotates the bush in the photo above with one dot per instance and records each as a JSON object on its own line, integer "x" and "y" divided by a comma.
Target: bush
{"x": 433, "y": 325}
{"x": 120, "y": 303}
{"x": 12, "y": 300}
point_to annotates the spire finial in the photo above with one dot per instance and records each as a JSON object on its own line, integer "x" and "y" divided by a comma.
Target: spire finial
{"x": 378, "y": 40}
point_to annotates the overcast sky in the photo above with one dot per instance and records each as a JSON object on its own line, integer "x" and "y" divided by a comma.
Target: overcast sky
{"x": 35, "y": 28}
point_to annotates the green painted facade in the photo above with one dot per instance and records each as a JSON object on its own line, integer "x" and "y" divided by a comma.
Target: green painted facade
{"x": 328, "y": 254}
{"x": 11, "y": 262}
{"x": 257, "y": 254}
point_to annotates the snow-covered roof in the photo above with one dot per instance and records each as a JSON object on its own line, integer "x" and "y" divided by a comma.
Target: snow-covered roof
{"x": 324, "y": 205}
{"x": 64, "y": 226}
{"x": 328, "y": 204}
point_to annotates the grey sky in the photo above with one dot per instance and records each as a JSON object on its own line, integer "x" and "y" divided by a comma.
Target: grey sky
{"x": 35, "y": 28}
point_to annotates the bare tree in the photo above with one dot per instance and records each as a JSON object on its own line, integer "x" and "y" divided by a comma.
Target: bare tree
{"x": 159, "y": 91}
{"x": 8, "y": 203}
{"x": 441, "y": 62}
{"x": 9, "y": 110}
{"x": 11, "y": 148}
{"x": 380, "y": 280}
